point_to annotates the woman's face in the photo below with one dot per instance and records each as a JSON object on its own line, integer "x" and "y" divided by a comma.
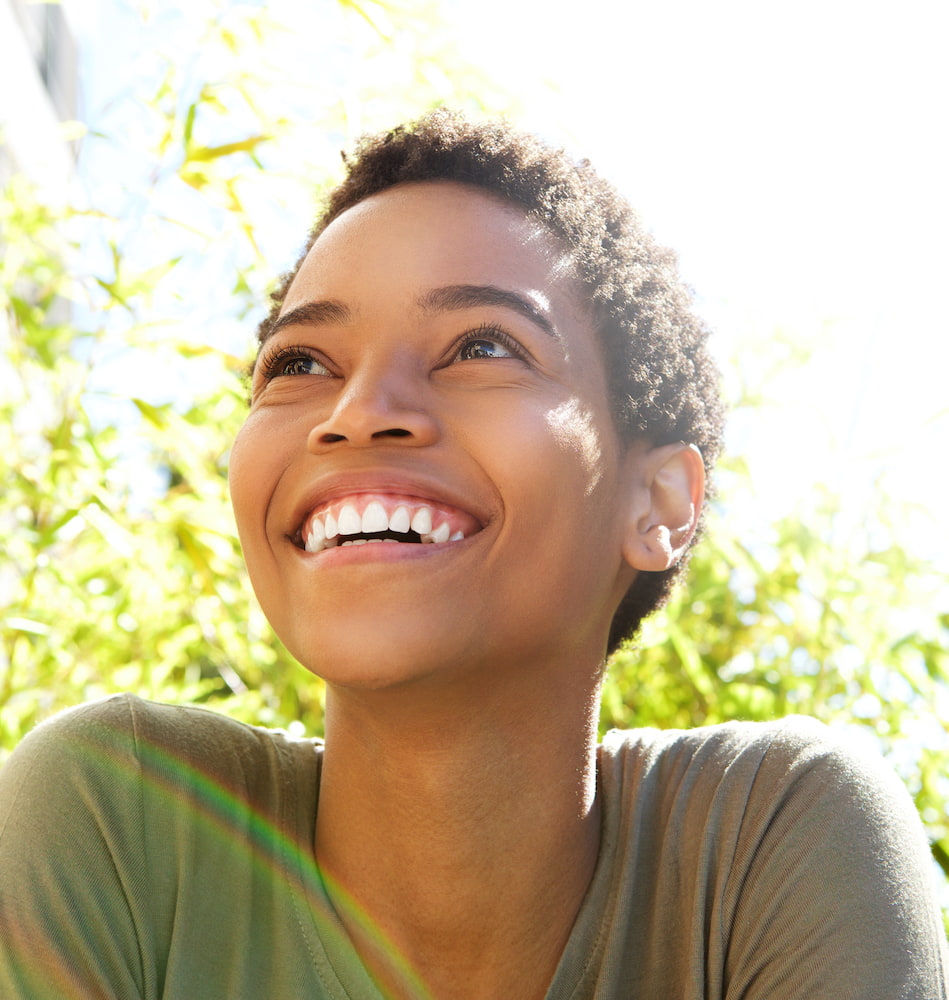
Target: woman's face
{"x": 433, "y": 380}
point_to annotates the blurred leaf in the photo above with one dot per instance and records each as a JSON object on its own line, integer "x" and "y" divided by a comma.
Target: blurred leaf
{"x": 202, "y": 154}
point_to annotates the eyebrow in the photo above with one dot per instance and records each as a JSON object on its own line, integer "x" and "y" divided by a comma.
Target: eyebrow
{"x": 450, "y": 297}
{"x": 444, "y": 299}
{"x": 310, "y": 314}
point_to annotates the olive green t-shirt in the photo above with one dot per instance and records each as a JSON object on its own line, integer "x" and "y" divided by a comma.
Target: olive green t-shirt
{"x": 149, "y": 851}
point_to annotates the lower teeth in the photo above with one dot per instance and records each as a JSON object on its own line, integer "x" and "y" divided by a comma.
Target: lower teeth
{"x": 426, "y": 539}
{"x": 368, "y": 541}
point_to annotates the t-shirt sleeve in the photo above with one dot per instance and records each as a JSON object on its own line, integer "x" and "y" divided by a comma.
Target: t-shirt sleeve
{"x": 832, "y": 888}
{"x": 71, "y": 863}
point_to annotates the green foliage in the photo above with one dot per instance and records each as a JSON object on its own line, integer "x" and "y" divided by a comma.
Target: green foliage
{"x": 104, "y": 585}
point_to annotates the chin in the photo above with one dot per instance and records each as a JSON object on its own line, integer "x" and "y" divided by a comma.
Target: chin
{"x": 371, "y": 662}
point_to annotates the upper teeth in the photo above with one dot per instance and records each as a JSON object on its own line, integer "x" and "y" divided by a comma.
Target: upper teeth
{"x": 326, "y": 528}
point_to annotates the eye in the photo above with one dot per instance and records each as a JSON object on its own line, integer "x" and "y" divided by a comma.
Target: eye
{"x": 487, "y": 343}
{"x": 291, "y": 361}
{"x": 301, "y": 366}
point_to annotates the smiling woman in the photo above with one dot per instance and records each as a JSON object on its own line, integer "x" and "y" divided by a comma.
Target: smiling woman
{"x": 430, "y": 337}
{"x": 481, "y": 420}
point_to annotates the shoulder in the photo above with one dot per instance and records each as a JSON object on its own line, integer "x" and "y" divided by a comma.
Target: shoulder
{"x": 795, "y": 734}
{"x": 127, "y": 741}
{"x": 123, "y": 718}
{"x": 118, "y": 783}
{"x": 91, "y": 734}
{"x": 123, "y": 821}
{"x": 769, "y": 757}
{"x": 70, "y": 748}
{"x": 753, "y": 784}
{"x": 803, "y": 841}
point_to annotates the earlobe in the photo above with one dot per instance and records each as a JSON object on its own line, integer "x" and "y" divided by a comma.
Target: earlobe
{"x": 666, "y": 509}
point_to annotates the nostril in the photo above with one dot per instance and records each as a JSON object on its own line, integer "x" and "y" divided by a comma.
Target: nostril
{"x": 333, "y": 438}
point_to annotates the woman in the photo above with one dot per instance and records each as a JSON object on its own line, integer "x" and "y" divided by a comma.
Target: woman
{"x": 475, "y": 458}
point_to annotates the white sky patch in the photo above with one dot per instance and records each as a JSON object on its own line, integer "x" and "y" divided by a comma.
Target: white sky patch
{"x": 796, "y": 158}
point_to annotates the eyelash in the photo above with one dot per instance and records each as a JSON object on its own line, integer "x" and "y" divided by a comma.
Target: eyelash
{"x": 273, "y": 358}
{"x": 488, "y": 331}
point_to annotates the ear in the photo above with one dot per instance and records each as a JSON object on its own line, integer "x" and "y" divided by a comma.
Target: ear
{"x": 667, "y": 502}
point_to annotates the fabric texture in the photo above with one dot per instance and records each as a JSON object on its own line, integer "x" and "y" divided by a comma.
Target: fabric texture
{"x": 149, "y": 851}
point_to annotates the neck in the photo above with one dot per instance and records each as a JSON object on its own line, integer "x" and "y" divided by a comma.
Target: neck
{"x": 467, "y": 829}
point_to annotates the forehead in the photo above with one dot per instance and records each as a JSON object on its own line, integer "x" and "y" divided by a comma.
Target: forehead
{"x": 426, "y": 234}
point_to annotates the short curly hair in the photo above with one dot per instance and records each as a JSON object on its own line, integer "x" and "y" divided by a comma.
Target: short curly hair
{"x": 663, "y": 383}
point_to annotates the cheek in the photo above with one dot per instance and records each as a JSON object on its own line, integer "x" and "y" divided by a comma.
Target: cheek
{"x": 576, "y": 431}
{"x": 247, "y": 477}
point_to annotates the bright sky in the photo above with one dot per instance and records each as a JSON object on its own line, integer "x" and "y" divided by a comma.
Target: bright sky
{"x": 796, "y": 156}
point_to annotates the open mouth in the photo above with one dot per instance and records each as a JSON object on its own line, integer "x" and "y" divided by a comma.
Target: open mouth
{"x": 363, "y": 520}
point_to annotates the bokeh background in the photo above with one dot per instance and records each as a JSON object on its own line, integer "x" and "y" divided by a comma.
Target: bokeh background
{"x": 161, "y": 163}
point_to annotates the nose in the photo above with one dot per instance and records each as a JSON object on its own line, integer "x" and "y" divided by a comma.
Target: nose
{"x": 387, "y": 406}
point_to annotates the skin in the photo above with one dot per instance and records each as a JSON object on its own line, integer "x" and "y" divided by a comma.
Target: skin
{"x": 462, "y": 677}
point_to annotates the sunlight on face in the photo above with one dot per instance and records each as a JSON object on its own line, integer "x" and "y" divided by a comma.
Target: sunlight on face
{"x": 576, "y": 429}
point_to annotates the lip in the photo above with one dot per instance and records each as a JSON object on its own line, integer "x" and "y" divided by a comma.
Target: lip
{"x": 427, "y": 489}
